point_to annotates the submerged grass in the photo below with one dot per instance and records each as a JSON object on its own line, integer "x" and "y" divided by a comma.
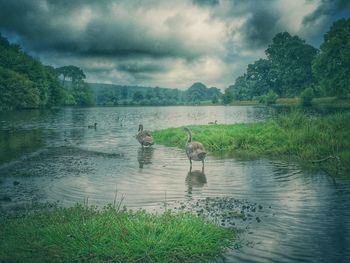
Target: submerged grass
{"x": 81, "y": 234}
{"x": 293, "y": 135}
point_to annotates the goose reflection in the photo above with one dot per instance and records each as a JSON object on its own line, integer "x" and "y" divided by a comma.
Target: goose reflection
{"x": 144, "y": 156}
{"x": 195, "y": 179}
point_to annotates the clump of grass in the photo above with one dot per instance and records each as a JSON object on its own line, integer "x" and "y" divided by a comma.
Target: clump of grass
{"x": 81, "y": 234}
{"x": 293, "y": 135}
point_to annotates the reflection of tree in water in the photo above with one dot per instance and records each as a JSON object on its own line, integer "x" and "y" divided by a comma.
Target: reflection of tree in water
{"x": 144, "y": 156}
{"x": 195, "y": 179}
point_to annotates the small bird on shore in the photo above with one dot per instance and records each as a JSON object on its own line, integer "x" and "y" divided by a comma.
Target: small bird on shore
{"x": 144, "y": 137}
{"x": 195, "y": 150}
{"x": 93, "y": 126}
{"x": 215, "y": 122}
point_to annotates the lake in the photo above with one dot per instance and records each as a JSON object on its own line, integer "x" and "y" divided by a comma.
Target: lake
{"x": 292, "y": 215}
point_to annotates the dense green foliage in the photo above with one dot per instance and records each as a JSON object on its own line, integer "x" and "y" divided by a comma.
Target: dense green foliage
{"x": 113, "y": 95}
{"x": 332, "y": 65}
{"x": 294, "y": 135}
{"x": 78, "y": 92}
{"x": 286, "y": 71}
{"x": 26, "y": 83}
{"x": 80, "y": 234}
{"x": 292, "y": 66}
{"x": 268, "y": 99}
{"x": 306, "y": 96}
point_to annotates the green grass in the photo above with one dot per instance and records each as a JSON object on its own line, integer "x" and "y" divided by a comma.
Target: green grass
{"x": 81, "y": 234}
{"x": 294, "y": 136}
{"x": 329, "y": 102}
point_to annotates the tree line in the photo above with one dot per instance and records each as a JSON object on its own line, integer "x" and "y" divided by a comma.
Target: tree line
{"x": 291, "y": 68}
{"x": 295, "y": 68}
{"x": 27, "y": 83}
{"x": 113, "y": 95}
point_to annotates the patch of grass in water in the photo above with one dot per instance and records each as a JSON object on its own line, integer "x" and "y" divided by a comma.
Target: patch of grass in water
{"x": 81, "y": 234}
{"x": 293, "y": 136}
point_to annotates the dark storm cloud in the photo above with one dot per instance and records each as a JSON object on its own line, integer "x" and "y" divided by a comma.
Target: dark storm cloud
{"x": 136, "y": 67}
{"x": 261, "y": 20}
{"x": 319, "y": 21}
{"x": 169, "y": 43}
{"x": 88, "y": 28}
{"x": 260, "y": 28}
{"x": 205, "y": 2}
{"x": 328, "y": 9}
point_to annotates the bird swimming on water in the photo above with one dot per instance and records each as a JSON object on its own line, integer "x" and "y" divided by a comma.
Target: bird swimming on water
{"x": 92, "y": 126}
{"x": 195, "y": 150}
{"x": 144, "y": 137}
{"x": 215, "y": 122}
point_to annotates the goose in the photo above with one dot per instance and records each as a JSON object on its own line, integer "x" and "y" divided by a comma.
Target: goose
{"x": 195, "y": 150}
{"x": 144, "y": 137}
{"x": 215, "y": 122}
{"x": 92, "y": 126}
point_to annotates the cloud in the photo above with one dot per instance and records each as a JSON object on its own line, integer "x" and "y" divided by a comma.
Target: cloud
{"x": 206, "y": 2}
{"x": 111, "y": 28}
{"x": 164, "y": 43}
{"x": 319, "y": 21}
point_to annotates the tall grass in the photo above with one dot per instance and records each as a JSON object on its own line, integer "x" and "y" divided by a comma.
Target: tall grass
{"x": 293, "y": 135}
{"x": 81, "y": 234}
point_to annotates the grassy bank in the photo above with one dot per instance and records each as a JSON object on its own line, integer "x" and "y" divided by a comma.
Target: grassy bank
{"x": 81, "y": 234}
{"x": 328, "y": 102}
{"x": 293, "y": 136}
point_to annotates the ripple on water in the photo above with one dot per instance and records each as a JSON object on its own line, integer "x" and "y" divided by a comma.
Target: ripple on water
{"x": 304, "y": 217}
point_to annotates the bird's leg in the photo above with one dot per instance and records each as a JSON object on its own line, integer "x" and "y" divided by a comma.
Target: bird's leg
{"x": 202, "y": 164}
{"x": 190, "y": 164}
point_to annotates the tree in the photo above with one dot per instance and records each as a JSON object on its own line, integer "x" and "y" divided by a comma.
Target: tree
{"x": 17, "y": 91}
{"x": 56, "y": 92}
{"x": 227, "y": 97}
{"x": 197, "y": 92}
{"x": 78, "y": 92}
{"x": 138, "y": 96}
{"x": 332, "y": 65}
{"x": 291, "y": 60}
{"x": 306, "y": 96}
{"x": 270, "y": 98}
{"x": 82, "y": 93}
{"x": 215, "y": 99}
{"x": 240, "y": 90}
{"x": 259, "y": 78}
{"x": 33, "y": 84}
{"x": 72, "y": 72}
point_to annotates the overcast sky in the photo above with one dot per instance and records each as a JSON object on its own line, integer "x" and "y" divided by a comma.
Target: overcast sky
{"x": 162, "y": 43}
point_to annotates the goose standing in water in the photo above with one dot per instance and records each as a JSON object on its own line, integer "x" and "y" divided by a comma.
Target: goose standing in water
{"x": 93, "y": 126}
{"x": 215, "y": 122}
{"x": 144, "y": 137}
{"x": 194, "y": 150}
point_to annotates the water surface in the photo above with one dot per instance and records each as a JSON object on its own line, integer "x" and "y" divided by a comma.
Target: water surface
{"x": 52, "y": 155}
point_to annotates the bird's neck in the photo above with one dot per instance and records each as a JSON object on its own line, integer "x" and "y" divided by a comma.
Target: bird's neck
{"x": 189, "y": 136}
